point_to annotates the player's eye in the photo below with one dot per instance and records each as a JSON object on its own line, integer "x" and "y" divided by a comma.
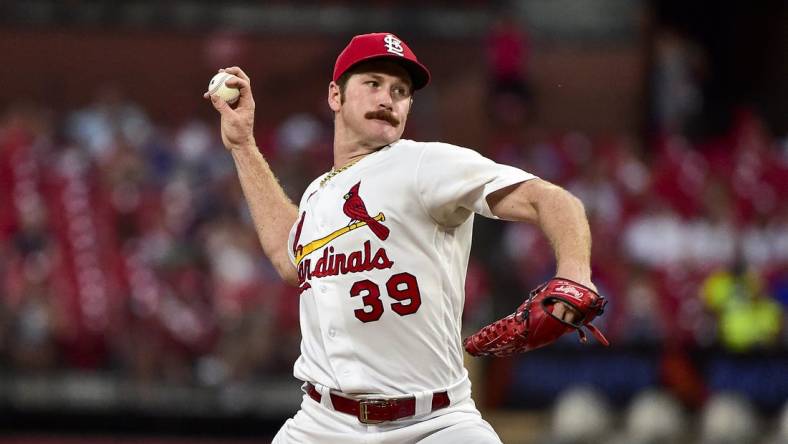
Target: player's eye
{"x": 372, "y": 83}
{"x": 401, "y": 91}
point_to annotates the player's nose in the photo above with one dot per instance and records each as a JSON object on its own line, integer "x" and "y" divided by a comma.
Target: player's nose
{"x": 385, "y": 101}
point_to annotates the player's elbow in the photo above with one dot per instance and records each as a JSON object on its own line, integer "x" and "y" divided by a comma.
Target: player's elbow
{"x": 288, "y": 274}
{"x": 284, "y": 267}
{"x": 290, "y": 280}
{"x": 574, "y": 201}
{"x": 571, "y": 201}
{"x": 552, "y": 199}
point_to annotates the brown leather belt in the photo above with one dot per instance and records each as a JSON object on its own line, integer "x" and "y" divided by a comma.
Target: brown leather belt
{"x": 375, "y": 411}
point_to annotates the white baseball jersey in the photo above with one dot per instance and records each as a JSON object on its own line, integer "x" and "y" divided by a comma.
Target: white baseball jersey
{"x": 382, "y": 251}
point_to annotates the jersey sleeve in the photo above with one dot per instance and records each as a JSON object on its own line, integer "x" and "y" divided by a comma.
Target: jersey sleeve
{"x": 452, "y": 182}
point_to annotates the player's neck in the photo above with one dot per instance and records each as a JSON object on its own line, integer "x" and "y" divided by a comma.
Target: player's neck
{"x": 352, "y": 150}
{"x": 341, "y": 161}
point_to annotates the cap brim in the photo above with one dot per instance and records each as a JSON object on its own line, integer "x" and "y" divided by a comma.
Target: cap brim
{"x": 419, "y": 74}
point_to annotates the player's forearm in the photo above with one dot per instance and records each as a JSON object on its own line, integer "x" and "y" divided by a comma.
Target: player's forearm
{"x": 272, "y": 211}
{"x": 562, "y": 218}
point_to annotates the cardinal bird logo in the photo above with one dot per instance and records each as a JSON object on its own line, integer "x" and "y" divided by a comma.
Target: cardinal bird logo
{"x": 355, "y": 209}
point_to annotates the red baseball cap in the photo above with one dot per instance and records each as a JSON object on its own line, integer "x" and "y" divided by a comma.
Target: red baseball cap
{"x": 382, "y": 45}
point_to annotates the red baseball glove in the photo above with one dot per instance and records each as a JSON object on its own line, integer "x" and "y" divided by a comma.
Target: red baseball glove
{"x": 533, "y": 325}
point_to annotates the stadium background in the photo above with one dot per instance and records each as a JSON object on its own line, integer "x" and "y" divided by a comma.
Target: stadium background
{"x": 135, "y": 302}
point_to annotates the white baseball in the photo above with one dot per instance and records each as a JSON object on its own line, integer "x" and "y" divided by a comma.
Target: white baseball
{"x": 217, "y": 86}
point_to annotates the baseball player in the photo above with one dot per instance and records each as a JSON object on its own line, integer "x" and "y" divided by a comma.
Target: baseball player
{"x": 379, "y": 247}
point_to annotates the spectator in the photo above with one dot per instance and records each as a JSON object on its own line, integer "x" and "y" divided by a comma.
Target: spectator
{"x": 508, "y": 53}
{"x": 678, "y": 75}
{"x": 111, "y": 117}
{"x": 748, "y": 317}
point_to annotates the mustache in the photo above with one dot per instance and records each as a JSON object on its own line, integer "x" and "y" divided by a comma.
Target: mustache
{"x": 383, "y": 114}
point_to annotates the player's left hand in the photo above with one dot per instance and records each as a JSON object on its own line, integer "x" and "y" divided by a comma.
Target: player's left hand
{"x": 566, "y": 312}
{"x": 553, "y": 309}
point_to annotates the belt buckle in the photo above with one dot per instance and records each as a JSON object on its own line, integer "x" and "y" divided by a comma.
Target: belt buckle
{"x": 363, "y": 412}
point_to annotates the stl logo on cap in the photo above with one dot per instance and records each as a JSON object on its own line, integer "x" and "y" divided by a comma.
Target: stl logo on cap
{"x": 393, "y": 45}
{"x": 384, "y": 45}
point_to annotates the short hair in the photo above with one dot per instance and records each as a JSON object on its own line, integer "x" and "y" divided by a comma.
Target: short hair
{"x": 342, "y": 83}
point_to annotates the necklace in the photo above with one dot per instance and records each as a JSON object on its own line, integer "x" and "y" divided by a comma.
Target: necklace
{"x": 335, "y": 171}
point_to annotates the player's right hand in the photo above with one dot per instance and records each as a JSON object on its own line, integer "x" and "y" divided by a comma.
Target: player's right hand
{"x": 237, "y": 122}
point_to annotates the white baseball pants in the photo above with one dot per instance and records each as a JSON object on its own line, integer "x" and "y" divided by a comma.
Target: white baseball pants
{"x": 318, "y": 423}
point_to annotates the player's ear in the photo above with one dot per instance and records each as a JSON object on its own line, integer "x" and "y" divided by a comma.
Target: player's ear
{"x": 334, "y": 96}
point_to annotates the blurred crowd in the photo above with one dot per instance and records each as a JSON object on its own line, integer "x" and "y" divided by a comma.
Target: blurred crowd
{"x": 690, "y": 225}
{"x": 128, "y": 245}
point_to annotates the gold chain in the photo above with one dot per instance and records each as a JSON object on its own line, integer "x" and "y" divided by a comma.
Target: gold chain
{"x": 336, "y": 171}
